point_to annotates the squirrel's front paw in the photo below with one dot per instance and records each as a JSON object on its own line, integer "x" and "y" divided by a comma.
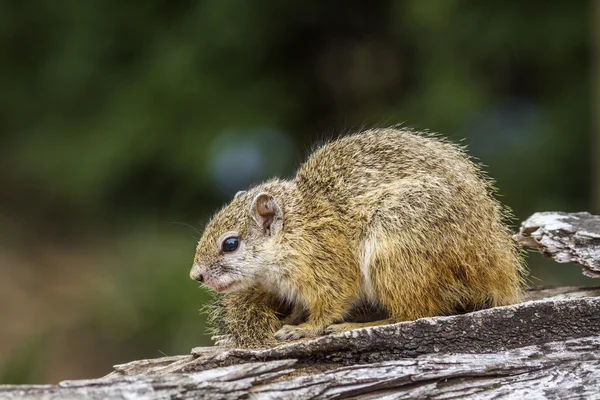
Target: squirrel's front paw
{"x": 290, "y": 332}
{"x": 293, "y": 332}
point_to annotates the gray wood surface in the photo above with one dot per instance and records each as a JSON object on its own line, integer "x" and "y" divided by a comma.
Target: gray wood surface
{"x": 547, "y": 346}
{"x": 565, "y": 237}
{"x": 556, "y": 370}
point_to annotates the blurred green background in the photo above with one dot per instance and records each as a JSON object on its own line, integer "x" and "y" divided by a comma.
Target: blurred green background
{"x": 124, "y": 125}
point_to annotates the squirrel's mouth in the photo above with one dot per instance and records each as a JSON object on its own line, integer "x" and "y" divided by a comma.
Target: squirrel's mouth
{"x": 224, "y": 287}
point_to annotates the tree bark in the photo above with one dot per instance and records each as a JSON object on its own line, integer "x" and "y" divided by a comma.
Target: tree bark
{"x": 545, "y": 347}
{"x": 566, "y": 238}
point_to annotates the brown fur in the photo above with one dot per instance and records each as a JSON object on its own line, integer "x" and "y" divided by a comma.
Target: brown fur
{"x": 390, "y": 219}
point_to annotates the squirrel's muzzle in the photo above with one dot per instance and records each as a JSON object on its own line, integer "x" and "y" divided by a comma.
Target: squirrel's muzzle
{"x": 196, "y": 273}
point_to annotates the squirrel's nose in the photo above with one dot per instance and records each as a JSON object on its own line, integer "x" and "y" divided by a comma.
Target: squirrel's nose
{"x": 196, "y": 274}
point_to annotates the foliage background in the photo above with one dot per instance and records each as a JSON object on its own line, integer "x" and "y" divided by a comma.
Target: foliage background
{"x": 124, "y": 125}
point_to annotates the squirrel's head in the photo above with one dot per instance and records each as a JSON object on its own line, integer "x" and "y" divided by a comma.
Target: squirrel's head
{"x": 233, "y": 250}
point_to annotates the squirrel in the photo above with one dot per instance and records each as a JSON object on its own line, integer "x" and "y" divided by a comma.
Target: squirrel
{"x": 398, "y": 221}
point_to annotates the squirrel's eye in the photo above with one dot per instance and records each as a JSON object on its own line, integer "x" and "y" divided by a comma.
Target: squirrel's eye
{"x": 230, "y": 244}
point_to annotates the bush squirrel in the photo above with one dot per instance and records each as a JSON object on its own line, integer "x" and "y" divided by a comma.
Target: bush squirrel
{"x": 395, "y": 220}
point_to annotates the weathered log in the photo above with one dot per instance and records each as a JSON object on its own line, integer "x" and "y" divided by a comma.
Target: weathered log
{"x": 544, "y": 347}
{"x": 563, "y": 313}
{"x": 565, "y": 237}
{"x": 555, "y": 370}
{"x": 220, "y": 383}
{"x": 558, "y": 370}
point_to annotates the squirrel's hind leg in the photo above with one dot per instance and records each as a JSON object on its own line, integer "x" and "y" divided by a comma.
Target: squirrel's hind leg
{"x": 402, "y": 248}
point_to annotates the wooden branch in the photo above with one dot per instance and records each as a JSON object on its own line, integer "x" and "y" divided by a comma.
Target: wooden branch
{"x": 544, "y": 347}
{"x": 563, "y": 314}
{"x": 540, "y": 347}
{"x": 220, "y": 383}
{"x": 567, "y": 238}
{"x": 558, "y": 370}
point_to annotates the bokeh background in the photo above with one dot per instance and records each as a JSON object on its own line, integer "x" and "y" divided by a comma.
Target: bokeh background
{"x": 124, "y": 125}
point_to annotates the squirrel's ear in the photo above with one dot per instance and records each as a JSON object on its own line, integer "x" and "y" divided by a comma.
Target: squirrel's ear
{"x": 267, "y": 214}
{"x": 238, "y": 194}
